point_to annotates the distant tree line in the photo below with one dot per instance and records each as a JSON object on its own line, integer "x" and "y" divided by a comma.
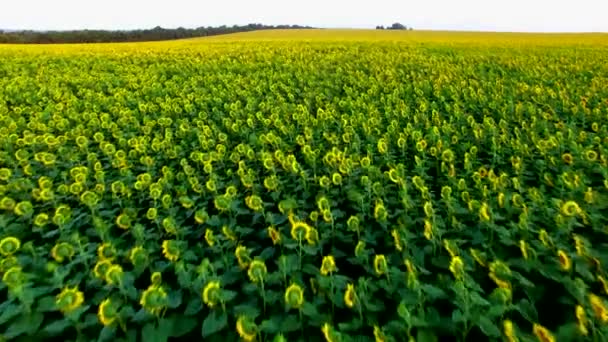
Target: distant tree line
{"x": 104, "y": 36}
{"x": 395, "y": 26}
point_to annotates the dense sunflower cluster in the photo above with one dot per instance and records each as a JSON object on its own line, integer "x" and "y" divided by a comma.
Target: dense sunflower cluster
{"x": 294, "y": 191}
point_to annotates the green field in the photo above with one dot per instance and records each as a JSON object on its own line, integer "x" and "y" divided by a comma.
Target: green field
{"x": 345, "y": 185}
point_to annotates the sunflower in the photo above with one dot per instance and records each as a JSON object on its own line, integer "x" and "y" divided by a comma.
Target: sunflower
{"x": 69, "y": 299}
{"x": 201, "y": 216}
{"x": 484, "y": 212}
{"x": 542, "y": 333}
{"x": 61, "y": 251}
{"x": 570, "y": 208}
{"x": 154, "y": 299}
{"x": 581, "y": 319}
{"x": 564, "y": 260}
{"x": 242, "y": 256}
{"x": 350, "y": 296}
{"x": 24, "y": 208}
{"x": 123, "y": 221}
{"x": 380, "y": 212}
{"x": 567, "y": 158}
{"x": 106, "y": 251}
{"x": 107, "y": 312}
{"x": 254, "y": 203}
{"x": 599, "y": 308}
{"x": 101, "y": 267}
{"x": 294, "y": 296}
{"x": 397, "y": 240}
{"x": 457, "y": 267}
{"x": 9, "y": 246}
{"x": 312, "y": 236}
{"x": 211, "y": 293}
{"x": 13, "y": 277}
{"x": 114, "y": 274}
{"x": 257, "y": 271}
{"x": 299, "y": 230}
{"x": 380, "y": 264}
{"x": 274, "y": 235}
{"x": 138, "y": 256}
{"x": 509, "y": 331}
{"x": 328, "y": 265}
{"x": 209, "y": 238}
{"x": 353, "y": 223}
{"x": 171, "y": 250}
{"x": 324, "y": 182}
{"x": 523, "y": 247}
{"x": 379, "y": 335}
{"x": 246, "y": 328}
{"x": 359, "y": 248}
{"x": 329, "y": 333}
{"x": 229, "y": 234}
{"x": 428, "y": 229}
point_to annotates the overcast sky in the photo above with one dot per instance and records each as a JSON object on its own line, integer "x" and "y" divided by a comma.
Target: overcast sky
{"x": 493, "y": 15}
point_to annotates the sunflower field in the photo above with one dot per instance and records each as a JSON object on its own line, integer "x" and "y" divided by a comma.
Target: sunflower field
{"x": 392, "y": 187}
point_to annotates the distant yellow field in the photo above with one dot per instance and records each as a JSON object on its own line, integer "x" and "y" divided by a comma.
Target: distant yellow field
{"x": 337, "y": 35}
{"x": 415, "y": 36}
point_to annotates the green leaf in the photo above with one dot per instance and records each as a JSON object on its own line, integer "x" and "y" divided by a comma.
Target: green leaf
{"x": 477, "y": 299}
{"x": 488, "y": 327}
{"x": 310, "y": 310}
{"x": 9, "y": 312}
{"x": 106, "y": 333}
{"x": 26, "y": 324}
{"x": 290, "y": 323}
{"x": 433, "y": 292}
{"x": 458, "y": 317}
{"x": 270, "y": 326}
{"x": 214, "y": 323}
{"x": 46, "y": 304}
{"x": 193, "y": 307}
{"x": 182, "y": 325}
{"x": 57, "y": 327}
{"x": 424, "y": 335}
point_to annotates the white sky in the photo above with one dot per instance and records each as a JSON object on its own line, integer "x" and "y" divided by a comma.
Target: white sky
{"x": 493, "y": 15}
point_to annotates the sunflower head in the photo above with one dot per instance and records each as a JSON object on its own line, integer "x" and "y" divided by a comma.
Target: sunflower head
{"x": 257, "y": 271}
{"x": 564, "y": 260}
{"x": 246, "y": 328}
{"x": 274, "y": 235}
{"x": 209, "y": 237}
{"x": 328, "y": 265}
{"x": 138, "y": 256}
{"x": 107, "y": 313}
{"x": 570, "y": 208}
{"x": 211, "y": 293}
{"x": 542, "y": 333}
{"x": 581, "y": 318}
{"x": 154, "y": 299}
{"x": 114, "y": 274}
{"x": 299, "y": 230}
{"x": 171, "y": 250}
{"x": 9, "y": 246}
{"x": 350, "y": 296}
{"x": 106, "y": 251}
{"x": 457, "y": 267}
{"x": 101, "y": 267}
{"x": 294, "y": 296}
{"x": 13, "y": 277}
{"x": 62, "y": 251}
{"x": 69, "y": 299}
{"x": 242, "y": 256}
{"x": 380, "y": 264}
